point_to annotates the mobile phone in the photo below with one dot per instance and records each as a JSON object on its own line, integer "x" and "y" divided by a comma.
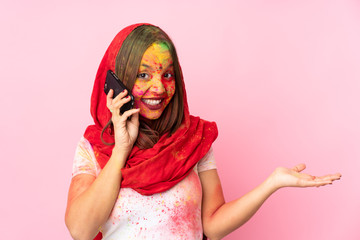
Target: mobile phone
{"x": 113, "y": 82}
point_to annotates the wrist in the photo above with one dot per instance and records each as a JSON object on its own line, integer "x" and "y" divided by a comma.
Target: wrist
{"x": 272, "y": 182}
{"x": 120, "y": 154}
{"x": 121, "y": 150}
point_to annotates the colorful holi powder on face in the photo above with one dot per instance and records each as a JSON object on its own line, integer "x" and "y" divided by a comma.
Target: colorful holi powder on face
{"x": 155, "y": 84}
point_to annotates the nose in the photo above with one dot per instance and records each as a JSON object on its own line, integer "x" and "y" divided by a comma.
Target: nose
{"x": 157, "y": 85}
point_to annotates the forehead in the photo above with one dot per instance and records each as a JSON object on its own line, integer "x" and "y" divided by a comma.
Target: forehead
{"x": 157, "y": 52}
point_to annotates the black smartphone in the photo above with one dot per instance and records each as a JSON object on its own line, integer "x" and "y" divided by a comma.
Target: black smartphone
{"x": 113, "y": 82}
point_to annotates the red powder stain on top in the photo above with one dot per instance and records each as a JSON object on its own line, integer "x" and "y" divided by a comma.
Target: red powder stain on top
{"x": 185, "y": 215}
{"x": 185, "y": 220}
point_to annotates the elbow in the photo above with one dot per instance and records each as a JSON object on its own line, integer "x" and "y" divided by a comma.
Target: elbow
{"x": 74, "y": 232}
{"x": 77, "y": 234}
{"x": 211, "y": 232}
{"x": 211, "y": 236}
{"x": 77, "y": 231}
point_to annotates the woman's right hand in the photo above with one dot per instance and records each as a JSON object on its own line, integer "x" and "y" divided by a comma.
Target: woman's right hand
{"x": 126, "y": 131}
{"x": 84, "y": 212}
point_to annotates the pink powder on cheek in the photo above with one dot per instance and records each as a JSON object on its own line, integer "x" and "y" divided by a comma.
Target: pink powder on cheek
{"x": 169, "y": 87}
{"x": 139, "y": 88}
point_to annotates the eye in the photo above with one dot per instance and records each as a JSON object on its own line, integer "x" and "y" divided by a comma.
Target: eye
{"x": 168, "y": 75}
{"x": 143, "y": 75}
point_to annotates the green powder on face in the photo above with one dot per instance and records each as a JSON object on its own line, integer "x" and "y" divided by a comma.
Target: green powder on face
{"x": 163, "y": 46}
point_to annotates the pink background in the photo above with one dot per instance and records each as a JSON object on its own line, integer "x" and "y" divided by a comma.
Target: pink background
{"x": 280, "y": 78}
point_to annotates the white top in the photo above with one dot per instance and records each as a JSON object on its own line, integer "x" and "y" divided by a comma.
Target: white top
{"x": 173, "y": 214}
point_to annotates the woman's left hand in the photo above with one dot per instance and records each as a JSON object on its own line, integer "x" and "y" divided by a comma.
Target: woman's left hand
{"x": 285, "y": 177}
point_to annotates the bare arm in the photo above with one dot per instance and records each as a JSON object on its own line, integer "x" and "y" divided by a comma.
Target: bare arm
{"x": 90, "y": 199}
{"x": 220, "y": 218}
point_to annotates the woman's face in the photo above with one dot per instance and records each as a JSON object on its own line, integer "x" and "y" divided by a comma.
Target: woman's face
{"x": 155, "y": 82}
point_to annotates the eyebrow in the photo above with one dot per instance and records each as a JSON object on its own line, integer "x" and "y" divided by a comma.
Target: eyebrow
{"x": 147, "y": 66}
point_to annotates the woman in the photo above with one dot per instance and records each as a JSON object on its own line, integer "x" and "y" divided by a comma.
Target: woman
{"x": 158, "y": 180}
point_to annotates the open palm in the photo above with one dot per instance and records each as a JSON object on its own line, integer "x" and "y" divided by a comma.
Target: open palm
{"x": 286, "y": 177}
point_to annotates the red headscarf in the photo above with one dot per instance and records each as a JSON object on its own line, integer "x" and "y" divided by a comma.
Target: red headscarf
{"x": 159, "y": 168}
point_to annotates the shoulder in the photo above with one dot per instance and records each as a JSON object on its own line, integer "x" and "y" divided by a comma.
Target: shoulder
{"x": 84, "y": 159}
{"x": 207, "y": 162}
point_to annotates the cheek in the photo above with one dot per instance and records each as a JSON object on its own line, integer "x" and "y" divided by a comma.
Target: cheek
{"x": 170, "y": 88}
{"x": 138, "y": 89}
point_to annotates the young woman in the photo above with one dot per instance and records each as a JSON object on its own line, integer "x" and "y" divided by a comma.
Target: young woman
{"x": 158, "y": 179}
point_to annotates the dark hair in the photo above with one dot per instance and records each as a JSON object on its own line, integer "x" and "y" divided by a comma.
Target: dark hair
{"x": 126, "y": 68}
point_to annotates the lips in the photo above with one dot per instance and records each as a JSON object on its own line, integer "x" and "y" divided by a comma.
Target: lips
{"x": 153, "y": 103}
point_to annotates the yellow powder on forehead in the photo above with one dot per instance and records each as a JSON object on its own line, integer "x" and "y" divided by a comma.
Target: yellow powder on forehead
{"x": 158, "y": 48}
{"x": 159, "y": 51}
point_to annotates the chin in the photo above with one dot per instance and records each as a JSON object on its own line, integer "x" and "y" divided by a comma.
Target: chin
{"x": 150, "y": 116}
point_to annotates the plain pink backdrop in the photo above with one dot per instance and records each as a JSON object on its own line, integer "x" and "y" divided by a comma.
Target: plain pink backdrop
{"x": 280, "y": 78}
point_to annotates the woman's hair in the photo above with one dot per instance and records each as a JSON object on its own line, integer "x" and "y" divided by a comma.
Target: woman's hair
{"x": 126, "y": 68}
